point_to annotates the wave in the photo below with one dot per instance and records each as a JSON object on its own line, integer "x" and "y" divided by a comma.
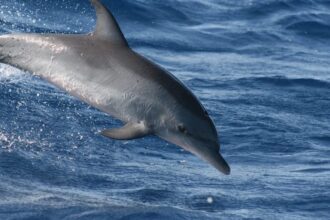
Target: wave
{"x": 264, "y": 81}
{"x": 253, "y": 82}
{"x": 311, "y": 29}
{"x": 310, "y": 25}
{"x": 313, "y": 170}
{"x": 325, "y": 138}
{"x": 74, "y": 212}
{"x": 281, "y": 81}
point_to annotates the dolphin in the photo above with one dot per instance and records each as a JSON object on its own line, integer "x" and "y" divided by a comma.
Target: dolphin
{"x": 102, "y": 70}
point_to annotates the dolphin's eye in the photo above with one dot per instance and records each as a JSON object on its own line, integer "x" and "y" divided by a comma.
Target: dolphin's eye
{"x": 182, "y": 129}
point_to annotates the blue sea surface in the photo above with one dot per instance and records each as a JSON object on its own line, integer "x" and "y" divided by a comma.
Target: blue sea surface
{"x": 260, "y": 68}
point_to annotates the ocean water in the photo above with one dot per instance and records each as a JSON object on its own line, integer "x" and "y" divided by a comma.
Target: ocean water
{"x": 261, "y": 69}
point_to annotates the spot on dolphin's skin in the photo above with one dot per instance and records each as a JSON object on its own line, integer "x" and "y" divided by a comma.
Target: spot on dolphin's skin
{"x": 47, "y": 43}
{"x": 182, "y": 128}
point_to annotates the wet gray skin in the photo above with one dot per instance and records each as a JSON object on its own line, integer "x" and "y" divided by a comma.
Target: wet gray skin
{"x": 101, "y": 69}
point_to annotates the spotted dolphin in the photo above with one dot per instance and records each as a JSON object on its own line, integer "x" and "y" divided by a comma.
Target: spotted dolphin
{"x": 101, "y": 69}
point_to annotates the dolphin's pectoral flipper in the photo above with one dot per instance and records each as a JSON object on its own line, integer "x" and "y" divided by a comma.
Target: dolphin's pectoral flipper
{"x": 127, "y": 132}
{"x": 107, "y": 27}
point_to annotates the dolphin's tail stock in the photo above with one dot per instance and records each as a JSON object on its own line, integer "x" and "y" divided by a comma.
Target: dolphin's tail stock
{"x": 1, "y": 49}
{"x": 10, "y": 49}
{"x": 3, "y": 53}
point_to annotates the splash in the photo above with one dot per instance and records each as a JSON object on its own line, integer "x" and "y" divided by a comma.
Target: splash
{"x": 5, "y": 142}
{"x": 8, "y": 72}
{"x": 8, "y": 142}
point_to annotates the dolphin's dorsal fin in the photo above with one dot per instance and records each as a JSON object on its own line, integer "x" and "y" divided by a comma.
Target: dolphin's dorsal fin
{"x": 127, "y": 132}
{"x": 107, "y": 27}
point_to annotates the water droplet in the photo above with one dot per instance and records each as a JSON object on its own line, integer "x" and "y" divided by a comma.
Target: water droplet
{"x": 209, "y": 199}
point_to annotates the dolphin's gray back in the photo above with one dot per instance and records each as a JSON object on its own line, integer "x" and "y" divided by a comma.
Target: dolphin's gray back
{"x": 58, "y": 59}
{"x": 99, "y": 68}
{"x": 66, "y": 61}
{"x": 107, "y": 76}
{"x": 95, "y": 70}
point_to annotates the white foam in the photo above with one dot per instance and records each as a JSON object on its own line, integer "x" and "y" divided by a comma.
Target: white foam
{"x": 8, "y": 142}
{"x": 9, "y": 72}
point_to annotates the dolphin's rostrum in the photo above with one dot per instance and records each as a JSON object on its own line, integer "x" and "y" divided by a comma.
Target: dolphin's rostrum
{"x": 102, "y": 70}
